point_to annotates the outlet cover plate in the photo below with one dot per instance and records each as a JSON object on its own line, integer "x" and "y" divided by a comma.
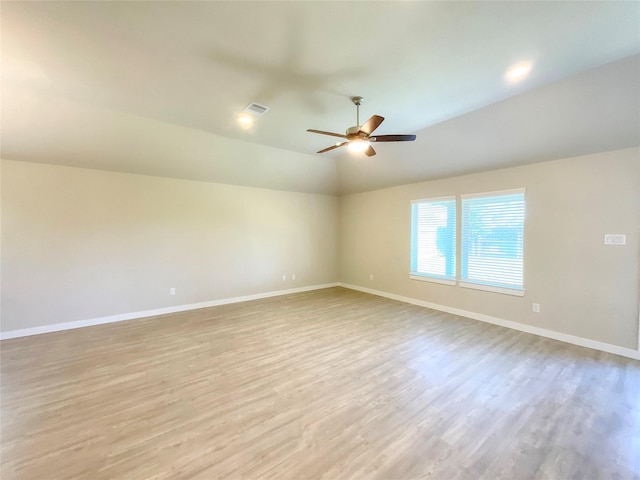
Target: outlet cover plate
{"x": 615, "y": 239}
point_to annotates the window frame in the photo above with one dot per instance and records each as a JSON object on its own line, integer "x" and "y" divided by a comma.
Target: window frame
{"x": 414, "y": 274}
{"x": 479, "y": 285}
{"x": 458, "y": 244}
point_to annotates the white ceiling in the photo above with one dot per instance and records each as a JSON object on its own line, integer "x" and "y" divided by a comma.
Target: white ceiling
{"x": 155, "y": 87}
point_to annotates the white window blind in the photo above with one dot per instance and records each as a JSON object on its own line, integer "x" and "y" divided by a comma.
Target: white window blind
{"x": 492, "y": 239}
{"x": 433, "y": 238}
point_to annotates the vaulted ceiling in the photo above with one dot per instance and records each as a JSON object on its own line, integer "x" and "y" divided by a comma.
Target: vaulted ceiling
{"x": 157, "y": 87}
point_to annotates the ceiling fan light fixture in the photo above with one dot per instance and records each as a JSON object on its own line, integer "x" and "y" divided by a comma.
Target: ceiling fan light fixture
{"x": 359, "y": 137}
{"x": 358, "y": 146}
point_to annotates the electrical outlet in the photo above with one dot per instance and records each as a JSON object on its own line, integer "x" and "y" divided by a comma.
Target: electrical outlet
{"x": 371, "y": 276}
{"x": 293, "y": 276}
{"x": 535, "y": 307}
{"x": 284, "y": 278}
{"x": 172, "y": 291}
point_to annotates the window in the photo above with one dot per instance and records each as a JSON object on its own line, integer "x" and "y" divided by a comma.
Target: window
{"x": 490, "y": 250}
{"x": 433, "y": 239}
{"x": 492, "y": 240}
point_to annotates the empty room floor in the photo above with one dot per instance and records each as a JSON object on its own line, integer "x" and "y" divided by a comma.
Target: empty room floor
{"x": 331, "y": 384}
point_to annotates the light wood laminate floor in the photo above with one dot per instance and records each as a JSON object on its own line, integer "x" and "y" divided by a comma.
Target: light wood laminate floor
{"x": 330, "y": 384}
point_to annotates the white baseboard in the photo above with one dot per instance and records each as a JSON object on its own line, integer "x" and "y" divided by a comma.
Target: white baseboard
{"x": 563, "y": 337}
{"x": 25, "y": 332}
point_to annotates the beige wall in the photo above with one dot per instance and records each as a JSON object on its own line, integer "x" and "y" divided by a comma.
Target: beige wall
{"x": 585, "y": 288}
{"x": 79, "y": 244}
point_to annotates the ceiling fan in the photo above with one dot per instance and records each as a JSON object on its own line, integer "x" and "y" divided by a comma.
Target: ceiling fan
{"x": 359, "y": 138}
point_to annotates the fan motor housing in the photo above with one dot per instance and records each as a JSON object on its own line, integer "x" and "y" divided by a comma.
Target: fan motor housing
{"x": 354, "y": 132}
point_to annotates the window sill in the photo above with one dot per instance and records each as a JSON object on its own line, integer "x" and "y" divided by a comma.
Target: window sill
{"x": 423, "y": 278}
{"x": 489, "y": 288}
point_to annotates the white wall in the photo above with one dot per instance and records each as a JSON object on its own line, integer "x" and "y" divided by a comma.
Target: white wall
{"x": 585, "y": 288}
{"x": 79, "y": 244}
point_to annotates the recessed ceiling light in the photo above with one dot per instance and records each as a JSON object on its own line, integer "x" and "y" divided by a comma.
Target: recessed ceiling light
{"x": 358, "y": 145}
{"x": 245, "y": 120}
{"x": 517, "y": 72}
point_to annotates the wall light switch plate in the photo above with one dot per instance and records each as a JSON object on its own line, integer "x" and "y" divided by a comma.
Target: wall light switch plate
{"x": 172, "y": 291}
{"x": 615, "y": 239}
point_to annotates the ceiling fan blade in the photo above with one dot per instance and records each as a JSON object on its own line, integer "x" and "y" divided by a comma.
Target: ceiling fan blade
{"x": 393, "y": 138}
{"x": 337, "y": 145}
{"x": 371, "y": 124}
{"x": 327, "y": 133}
{"x": 369, "y": 152}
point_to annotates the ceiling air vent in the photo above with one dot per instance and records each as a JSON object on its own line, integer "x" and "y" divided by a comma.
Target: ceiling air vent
{"x": 256, "y": 109}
